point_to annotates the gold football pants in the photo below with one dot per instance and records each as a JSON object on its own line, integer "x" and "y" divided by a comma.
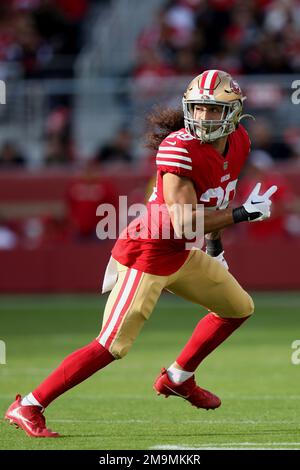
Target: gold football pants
{"x": 201, "y": 279}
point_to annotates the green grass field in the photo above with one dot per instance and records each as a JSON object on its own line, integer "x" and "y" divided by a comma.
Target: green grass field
{"x": 117, "y": 408}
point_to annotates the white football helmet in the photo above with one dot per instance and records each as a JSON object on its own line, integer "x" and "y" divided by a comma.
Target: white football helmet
{"x": 218, "y": 88}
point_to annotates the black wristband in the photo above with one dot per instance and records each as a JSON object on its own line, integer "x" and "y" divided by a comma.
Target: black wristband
{"x": 240, "y": 214}
{"x": 214, "y": 247}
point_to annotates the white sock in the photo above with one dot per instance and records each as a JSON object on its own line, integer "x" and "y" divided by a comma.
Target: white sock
{"x": 177, "y": 375}
{"x": 30, "y": 400}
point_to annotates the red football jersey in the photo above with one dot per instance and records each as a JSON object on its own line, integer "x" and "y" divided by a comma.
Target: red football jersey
{"x": 214, "y": 176}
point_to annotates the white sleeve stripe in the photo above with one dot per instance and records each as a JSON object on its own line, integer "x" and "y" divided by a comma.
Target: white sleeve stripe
{"x": 174, "y": 149}
{"x": 180, "y": 165}
{"x": 177, "y": 157}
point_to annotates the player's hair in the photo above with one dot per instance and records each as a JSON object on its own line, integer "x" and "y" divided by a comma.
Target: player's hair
{"x": 162, "y": 122}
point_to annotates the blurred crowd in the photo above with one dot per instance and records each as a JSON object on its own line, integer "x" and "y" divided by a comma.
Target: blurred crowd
{"x": 244, "y": 37}
{"x": 185, "y": 37}
{"x": 41, "y": 37}
{"x": 240, "y": 36}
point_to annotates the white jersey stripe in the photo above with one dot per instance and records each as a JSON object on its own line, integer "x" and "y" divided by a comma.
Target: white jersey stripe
{"x": 119, "y": 306}
{"x": 173, "y": 149}
{"x": 208, "y": 80}
{"x": 180, "y": 165}
{"x": 171, "y": 155}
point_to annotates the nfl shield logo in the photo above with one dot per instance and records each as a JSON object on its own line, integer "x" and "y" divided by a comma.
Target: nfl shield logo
{"x": 225, "y": 165}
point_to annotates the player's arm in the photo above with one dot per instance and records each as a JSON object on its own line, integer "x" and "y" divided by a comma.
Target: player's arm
{"x": 214, "y": 243}
{"x": 179, "y": 191}
{"x": 212, "y": 239}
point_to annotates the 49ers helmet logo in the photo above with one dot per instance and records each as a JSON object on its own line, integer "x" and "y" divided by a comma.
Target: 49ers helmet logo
{"x": 235, "y": 87}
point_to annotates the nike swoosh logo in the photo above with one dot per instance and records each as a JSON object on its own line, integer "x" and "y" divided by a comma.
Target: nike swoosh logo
{"x": 15, "y": 414}
{"x": 178, "y": 394}
{"x": 172, "y": 143}
{"x": 256, "y": 202}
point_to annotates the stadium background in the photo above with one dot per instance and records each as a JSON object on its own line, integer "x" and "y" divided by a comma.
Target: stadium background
{"x": 81, "y": 76}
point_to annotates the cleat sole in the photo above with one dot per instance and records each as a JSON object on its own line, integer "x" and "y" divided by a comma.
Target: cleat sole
{"x": 12, "y": 423}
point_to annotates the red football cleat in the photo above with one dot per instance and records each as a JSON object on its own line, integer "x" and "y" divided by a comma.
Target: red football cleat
{"x": 188, "y": 390}
{"x": 29, "y": 418}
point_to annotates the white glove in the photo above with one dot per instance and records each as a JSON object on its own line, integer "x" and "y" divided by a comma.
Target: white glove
{"x": 220, "y": 258}
{"x": 260, "y": 204}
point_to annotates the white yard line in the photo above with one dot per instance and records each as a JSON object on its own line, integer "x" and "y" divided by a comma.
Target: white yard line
{"x": 229, "y": 445}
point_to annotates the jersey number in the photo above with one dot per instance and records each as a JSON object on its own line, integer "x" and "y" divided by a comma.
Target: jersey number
{"x": 223, "y": 196}
{"x": 182, "y": 135}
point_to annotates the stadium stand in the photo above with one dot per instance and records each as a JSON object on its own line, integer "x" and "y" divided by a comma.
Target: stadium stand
{"x": 80, "y": 79}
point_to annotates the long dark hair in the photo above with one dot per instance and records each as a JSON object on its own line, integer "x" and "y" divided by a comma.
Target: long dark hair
{"x": 161, "y": 122}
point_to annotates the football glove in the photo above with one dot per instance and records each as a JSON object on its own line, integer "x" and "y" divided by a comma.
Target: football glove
{"x": 257, "y": 207}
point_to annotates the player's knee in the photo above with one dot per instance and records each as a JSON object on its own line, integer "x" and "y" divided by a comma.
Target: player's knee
{"x": 120, "y": 350}
{"x": 247, "y": 306}
{"x": 128, "y": 333}
{"x": 241, "y": 308}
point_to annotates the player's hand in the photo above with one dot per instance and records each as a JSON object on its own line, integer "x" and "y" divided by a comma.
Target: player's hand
{"x": 222, "y": 260}
{"x": 257, "y": 207}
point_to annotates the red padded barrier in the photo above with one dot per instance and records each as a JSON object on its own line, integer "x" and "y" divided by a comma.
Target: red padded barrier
{"x": 78, "y": 267}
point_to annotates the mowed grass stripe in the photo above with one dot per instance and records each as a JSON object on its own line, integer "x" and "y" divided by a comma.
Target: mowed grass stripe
{"x": 117, "y": 408}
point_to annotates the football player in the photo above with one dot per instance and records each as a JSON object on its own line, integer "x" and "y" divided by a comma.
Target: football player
{"x": 200, "y": 154}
